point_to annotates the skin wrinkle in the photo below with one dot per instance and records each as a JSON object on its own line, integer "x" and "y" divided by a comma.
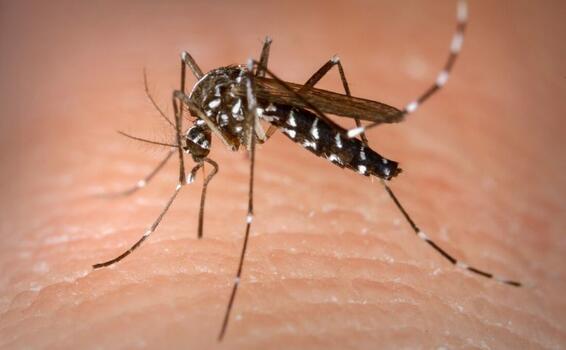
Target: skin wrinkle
{"x": 59, "y": 148}
{"x": 321, "y": 303}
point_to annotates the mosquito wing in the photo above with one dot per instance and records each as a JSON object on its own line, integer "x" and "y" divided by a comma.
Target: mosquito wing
{"x": 326, "y": 101}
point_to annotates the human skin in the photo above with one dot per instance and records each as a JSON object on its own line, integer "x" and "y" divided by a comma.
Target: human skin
{"x": 331, "y": 264}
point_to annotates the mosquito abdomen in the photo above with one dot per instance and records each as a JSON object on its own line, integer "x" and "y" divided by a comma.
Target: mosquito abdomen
{"x": 315, "y": 135}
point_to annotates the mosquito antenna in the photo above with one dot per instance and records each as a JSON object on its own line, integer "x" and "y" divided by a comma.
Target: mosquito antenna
{"x": 441, "y": 79}
{"x": 148, "y": 94}
{"x": 146, "y": 140}
{"x": 144, "y": 181}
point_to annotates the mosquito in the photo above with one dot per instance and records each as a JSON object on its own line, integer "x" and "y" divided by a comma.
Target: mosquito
{"x": 231, "y": 102}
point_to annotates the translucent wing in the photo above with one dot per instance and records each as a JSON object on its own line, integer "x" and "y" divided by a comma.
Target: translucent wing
{"x": 326, "y": 101}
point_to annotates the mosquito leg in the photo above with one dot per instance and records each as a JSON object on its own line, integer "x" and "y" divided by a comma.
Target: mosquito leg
{"x": 315, "y": 78}
{"x": 143, "y": 182}
{"x": 423, "y": 236}
{"x": 270, "y": 131}
{"x": 303, "y": 100}
{"x": 264, "y": 58}
{"x": 442, "y": 78}
{"x": 250, "y": 117}
{"x": 260, "y": 72}
{"x": 178, "y": 125}
{"x": 146, "y": 234}
{"x": 259, "y": 132}
{"x": 188, "y": 61}
{"x": 321, "y": 72}
{"x": 203, "y": 193}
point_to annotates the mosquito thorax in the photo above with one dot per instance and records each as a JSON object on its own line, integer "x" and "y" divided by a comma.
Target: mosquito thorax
{"x": 216, "y": 96}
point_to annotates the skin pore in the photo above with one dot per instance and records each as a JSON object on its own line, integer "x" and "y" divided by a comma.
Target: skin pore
{"x": 331, "y": 262}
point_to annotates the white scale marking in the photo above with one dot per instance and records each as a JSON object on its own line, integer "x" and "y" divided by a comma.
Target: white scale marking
{"x": 214, "y": 103}
{"x": 314, "y": 129}
{"x": 236, "y": 107}
{"x": 363, "y": 153}
{"x": 197, "y": 138}
{"x": 238, "y": 129}
{"x": 457, "y": 41}
{"x": 291, "y": 133}
{"x": 462, "y": 11}
{"x": 338, "y": 141}
{"x": 422, "y": 235}
{"x": 411, "y": 107}
{"x": 141, "y": 183}
{"x": 271, "y": 108}
{"x": 355, "y": 132}
{"x": 147, "y": 233}
{"x": 308, "y": 143}
{"x": 291, "y": 120}
{"x": 462, "y": 265}
{"x": 335, "y": 159}
{"x": 362, "y": 169}
{"x": 249, "y": 218}
{"x": 442, "y": 78}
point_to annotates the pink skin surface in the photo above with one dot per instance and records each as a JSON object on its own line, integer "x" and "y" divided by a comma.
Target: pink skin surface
{"x": 331, "y": 263}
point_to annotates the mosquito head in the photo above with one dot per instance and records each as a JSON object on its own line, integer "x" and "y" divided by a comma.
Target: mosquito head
{"x": 197, "y": 140}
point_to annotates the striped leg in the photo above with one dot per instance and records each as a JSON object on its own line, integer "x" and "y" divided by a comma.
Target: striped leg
{"x": 203, "y": 193}
{"x": 264, "y": 57}
{"x": 423, "y": 236}
{"x": 260, "y": 72}
{"x": 315, "y": 78}
{"x": 335, "y": 61}
{"x": 251, "y": 115}
{"x": 442, "y": 78}
{"x": 156, "y": 223}
{"x": 146, "y": 234}
{"x": 177, "y": 105}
